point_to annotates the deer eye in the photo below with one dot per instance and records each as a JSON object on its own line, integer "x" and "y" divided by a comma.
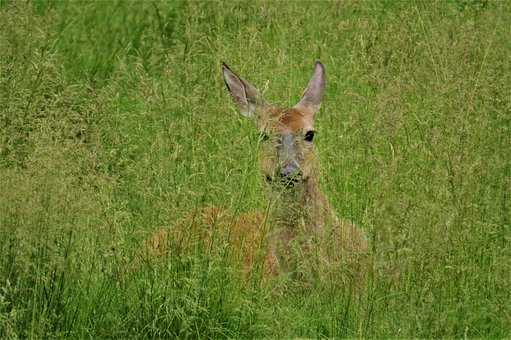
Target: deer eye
{"x": 309, "y": 136}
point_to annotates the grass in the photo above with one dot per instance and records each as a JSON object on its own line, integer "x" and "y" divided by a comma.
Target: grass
{"x": 114, "y": 122}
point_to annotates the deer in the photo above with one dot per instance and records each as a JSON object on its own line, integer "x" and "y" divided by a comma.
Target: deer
{"x": 300, "y": 231}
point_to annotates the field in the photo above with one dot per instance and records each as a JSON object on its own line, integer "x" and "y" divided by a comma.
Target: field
{"x": 115, "y": 123}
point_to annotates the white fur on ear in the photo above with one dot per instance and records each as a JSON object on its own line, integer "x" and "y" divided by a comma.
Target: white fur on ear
{"x": 313, "y": 94}
{"x": 245, "y": 96}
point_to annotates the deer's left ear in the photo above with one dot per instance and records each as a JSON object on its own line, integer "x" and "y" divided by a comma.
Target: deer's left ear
{"x": 313, "y": 94}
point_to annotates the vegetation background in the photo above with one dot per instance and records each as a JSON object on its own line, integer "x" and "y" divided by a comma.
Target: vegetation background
{"x": 114, "y": 123}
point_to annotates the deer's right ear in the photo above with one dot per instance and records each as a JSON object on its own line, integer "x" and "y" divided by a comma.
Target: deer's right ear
{"x": 246, "y": 96}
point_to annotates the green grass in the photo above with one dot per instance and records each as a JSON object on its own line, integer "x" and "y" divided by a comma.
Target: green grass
{"x": 115, "y": 122}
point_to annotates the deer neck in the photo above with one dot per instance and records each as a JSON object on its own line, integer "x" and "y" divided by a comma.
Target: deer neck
{"x": 302, "y": 206}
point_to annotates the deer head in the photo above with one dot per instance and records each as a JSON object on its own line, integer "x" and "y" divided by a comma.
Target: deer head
{"x": 287, "y": 134}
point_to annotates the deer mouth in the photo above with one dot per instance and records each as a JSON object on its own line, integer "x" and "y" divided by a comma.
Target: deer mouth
{"x": 286, "y": 182}
{"x": 289, "y": 182}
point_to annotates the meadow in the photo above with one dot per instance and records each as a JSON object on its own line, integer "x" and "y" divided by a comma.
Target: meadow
{"x": 115, "y": 122}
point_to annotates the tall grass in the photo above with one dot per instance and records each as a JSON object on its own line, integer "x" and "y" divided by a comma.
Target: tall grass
{"x": 114, "y": 122}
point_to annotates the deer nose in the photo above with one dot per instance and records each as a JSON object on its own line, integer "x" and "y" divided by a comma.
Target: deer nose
{"x": 289, "y": 170}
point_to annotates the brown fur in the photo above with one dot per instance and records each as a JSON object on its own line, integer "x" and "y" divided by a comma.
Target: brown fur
{"x": 245, "y": 235}
{"x": 290, "y": 120}
{"x": 308, "y": 229}
{"x": 301, "y": 234}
